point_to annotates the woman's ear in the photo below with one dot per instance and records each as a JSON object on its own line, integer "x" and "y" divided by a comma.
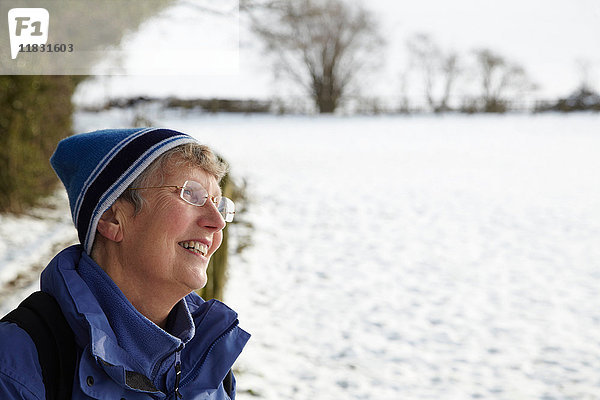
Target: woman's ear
{"x": 110, "y": 224}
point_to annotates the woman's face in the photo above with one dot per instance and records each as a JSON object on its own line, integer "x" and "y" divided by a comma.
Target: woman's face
{"x": 169, "y": 243}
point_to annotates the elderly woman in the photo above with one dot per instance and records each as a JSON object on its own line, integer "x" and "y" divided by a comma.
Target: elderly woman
{"x": 149, "y": 214}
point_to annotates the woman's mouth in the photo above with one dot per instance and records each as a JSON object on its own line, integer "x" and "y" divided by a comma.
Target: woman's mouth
{"x": 195, "y": 247}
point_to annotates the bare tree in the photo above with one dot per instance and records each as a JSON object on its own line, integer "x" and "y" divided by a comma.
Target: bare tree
{"x": 322, "y": 45}
{"x": 499, "y": 80}
{"x": 439, "y": 70}
{"x": 585, "y": 68}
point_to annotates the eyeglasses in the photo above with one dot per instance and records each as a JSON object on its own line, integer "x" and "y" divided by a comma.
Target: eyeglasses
{"x": 195, "y": 194}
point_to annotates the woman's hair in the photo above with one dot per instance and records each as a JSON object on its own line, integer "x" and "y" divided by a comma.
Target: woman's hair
{"x": 185, "y": 155}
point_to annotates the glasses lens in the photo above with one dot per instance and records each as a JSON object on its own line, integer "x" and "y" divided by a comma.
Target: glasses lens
{"x": 194, "y": 193}
{"x": 226, "y": 208}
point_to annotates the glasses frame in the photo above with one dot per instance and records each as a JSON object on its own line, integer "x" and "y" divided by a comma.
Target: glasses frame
{"x": 228, "y": 217}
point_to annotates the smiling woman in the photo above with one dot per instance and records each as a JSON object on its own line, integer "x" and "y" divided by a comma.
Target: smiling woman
{"x": 127, "y": 291}
{"x": 147, "y": 250}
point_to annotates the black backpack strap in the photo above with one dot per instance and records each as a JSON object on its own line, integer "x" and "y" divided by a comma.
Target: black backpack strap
{"x": 41, "y": 317}
{"x": 228, "y": 383}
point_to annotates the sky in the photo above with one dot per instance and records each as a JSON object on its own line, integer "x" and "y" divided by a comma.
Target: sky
{"x": 550, "y": 39}
{"x": 546, "y": 37}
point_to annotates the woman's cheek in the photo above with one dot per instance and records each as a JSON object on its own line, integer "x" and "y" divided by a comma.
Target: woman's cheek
{"x": 216, "y": 243}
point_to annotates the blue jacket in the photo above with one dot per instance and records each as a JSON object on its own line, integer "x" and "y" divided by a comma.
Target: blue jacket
{"x": 122, "y": 354}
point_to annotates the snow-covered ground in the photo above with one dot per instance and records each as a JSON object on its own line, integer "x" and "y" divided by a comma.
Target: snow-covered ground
{"x": 27, "y": 243}
{"x": 411, "y": 257}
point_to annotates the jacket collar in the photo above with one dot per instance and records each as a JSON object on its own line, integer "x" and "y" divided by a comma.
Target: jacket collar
{"x": 90, "y": 299}
{"x": 119, "y": 338}
{"x": 135, "y": 333}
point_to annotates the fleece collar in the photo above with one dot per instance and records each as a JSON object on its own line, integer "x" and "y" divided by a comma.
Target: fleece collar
{"x": 135, "y": 334}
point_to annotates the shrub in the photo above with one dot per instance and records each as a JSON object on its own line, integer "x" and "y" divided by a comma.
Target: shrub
{"x": 35, "y": 113}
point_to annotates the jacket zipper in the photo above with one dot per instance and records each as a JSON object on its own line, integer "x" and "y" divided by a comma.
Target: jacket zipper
{"x": 157, "y": 366}
{"x": 178, "y": 371}
{"x": 177, "y": 378}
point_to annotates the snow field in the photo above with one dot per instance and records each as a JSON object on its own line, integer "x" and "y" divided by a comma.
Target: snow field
{"x": 417, "y": 258}
{"x": 408, "y": 257}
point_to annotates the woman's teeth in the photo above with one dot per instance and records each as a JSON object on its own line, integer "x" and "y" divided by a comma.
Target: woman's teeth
{"x": 196, "y": 247}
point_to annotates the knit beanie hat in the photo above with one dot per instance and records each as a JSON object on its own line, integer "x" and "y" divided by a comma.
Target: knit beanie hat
{"x": 97, "y": 167}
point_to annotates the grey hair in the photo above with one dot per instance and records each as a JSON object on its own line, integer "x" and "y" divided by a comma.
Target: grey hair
{"x": 185, "y": 155}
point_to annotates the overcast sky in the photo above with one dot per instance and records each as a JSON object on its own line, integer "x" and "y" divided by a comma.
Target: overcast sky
{"x": 547, "y": 37}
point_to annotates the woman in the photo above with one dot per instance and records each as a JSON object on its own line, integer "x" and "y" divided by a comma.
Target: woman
{"x": 149, "y": 214}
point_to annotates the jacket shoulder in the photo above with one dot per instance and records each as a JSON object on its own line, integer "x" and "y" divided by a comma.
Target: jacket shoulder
{"x": 20, "y": 371}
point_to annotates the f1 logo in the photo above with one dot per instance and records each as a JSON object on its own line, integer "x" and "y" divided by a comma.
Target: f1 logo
{"x": 27, "y": 26}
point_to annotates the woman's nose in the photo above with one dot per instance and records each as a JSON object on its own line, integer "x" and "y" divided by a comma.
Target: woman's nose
{"x": 211, "y": 217}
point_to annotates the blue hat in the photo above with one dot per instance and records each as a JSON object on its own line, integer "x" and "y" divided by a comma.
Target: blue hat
{"x": 97, "y": 167}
